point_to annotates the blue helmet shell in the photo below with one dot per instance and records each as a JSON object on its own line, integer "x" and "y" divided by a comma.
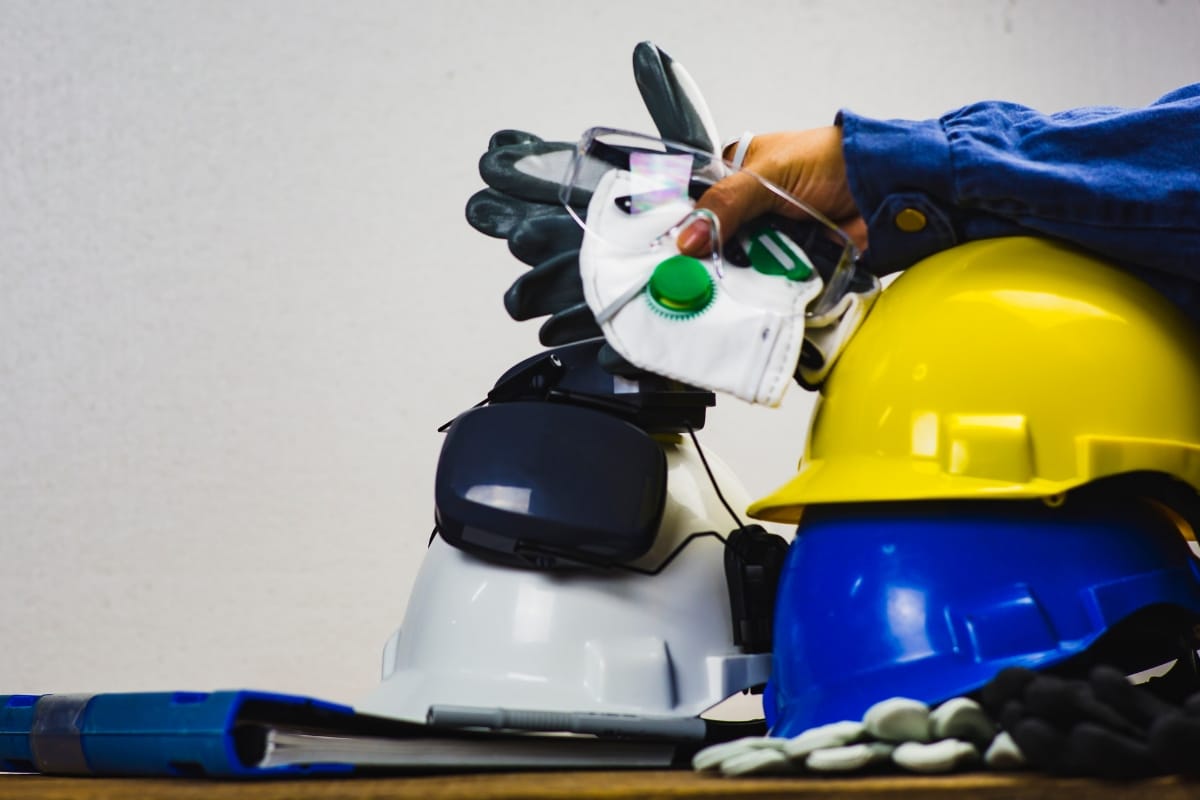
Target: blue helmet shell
{"x": 930, "y": 600}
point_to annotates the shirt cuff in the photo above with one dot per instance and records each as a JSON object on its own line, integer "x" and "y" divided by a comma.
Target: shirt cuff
{"x": 885, "y": 156}
{"x": 900, "y": 176}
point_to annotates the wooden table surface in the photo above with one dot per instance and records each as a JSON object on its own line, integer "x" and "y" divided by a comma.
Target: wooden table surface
{"x": 603, "y": 786}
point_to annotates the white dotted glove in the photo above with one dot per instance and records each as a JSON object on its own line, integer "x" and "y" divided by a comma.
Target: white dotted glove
{"x": 898, "y": 731}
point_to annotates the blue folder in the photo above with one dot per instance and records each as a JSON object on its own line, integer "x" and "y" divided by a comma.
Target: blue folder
{"x": 190, "y": 734}
{"x": 242, "y": 734}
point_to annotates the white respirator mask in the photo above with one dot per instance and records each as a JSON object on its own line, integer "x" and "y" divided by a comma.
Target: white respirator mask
{"x": 732, "y": 320}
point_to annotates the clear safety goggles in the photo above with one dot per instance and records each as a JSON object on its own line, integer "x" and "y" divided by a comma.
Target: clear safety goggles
{"x": 656, "y": 183}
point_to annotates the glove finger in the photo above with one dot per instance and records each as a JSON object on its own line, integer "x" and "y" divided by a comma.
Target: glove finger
{"x": 1135, "y": 704}
{"x": 1040, "y": 742}
{"x": 1175, "y": 742}
{"x": 544, "y": 235}
{"x": 1009, "y": 684}
{"x": 1065, "y": 702}
{"x": 898, "y": 719}
{"x": 497, "y": 214}
{"x": 1012, "y": 713}
{"x": 943, "y": 756}
{"x": 711, "y": 757}
{"x": 849, "y": 758}
{"x": 569, "y": 325}
{"x": 834, "y": 734}
{"x": 671, "y": 97}
{"x": 511, "y": 136}
{"x": 962, "y": 718}
{"x": 757, "y": 762}
{"x": 548, "y": 288}
{"x": 1094, "y": 750}
{"x": 1052, "y": 699}
{"x": 531, "y": 171}
{"x": 1003, "y": 753}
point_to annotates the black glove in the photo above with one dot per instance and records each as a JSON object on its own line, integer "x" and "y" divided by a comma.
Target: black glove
{"x": 1103, "y": 726}
{"x": 522, "y": 204}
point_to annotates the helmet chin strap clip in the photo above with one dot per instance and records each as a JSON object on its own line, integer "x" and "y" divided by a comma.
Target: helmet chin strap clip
{"x": 753, "y": 561}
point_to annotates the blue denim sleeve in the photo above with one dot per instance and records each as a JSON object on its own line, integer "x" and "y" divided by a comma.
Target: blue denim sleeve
{"x": 1120, "y": 182}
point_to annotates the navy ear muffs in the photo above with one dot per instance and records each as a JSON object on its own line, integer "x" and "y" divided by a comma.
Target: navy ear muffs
{"x": 548, "y": 485}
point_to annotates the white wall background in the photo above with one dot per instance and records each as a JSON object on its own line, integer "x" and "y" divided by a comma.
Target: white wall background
{"x": 237, "y": 294}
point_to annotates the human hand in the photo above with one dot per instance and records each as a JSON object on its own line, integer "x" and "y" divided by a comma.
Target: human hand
{"x": 807, "y": 164}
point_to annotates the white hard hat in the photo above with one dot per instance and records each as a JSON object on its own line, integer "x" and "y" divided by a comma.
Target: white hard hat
{"x": 481, "y": 634}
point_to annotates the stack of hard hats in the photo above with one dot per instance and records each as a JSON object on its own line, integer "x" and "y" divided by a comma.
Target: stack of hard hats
{"x": 1001, "y": 469}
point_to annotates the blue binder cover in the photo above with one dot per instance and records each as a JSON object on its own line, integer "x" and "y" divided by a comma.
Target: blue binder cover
{"x": 186, "y": 734}
{"x": 249, "y": 734}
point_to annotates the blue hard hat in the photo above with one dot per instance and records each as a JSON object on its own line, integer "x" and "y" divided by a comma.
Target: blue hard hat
{"x": 929, "y": 600}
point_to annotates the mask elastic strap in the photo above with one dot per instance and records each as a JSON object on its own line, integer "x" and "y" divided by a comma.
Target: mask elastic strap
{"x": 743, "y": 146}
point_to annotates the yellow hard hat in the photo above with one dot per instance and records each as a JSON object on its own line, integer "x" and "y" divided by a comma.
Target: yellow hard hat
{"x": 1003, "y": 368}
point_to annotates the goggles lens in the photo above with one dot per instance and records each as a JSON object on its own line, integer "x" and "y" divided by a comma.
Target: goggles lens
{"x": 655, "y": 184}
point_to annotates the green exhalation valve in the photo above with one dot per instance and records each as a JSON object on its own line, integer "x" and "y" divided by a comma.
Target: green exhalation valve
{"x": 772, "y": 253}
{"x": 681, "y": 286}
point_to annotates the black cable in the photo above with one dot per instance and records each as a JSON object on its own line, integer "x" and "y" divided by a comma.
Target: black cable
{"x": 700, "y": 452}
{"x": 717, "y": 488}
{"x": 678, "y": 549}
